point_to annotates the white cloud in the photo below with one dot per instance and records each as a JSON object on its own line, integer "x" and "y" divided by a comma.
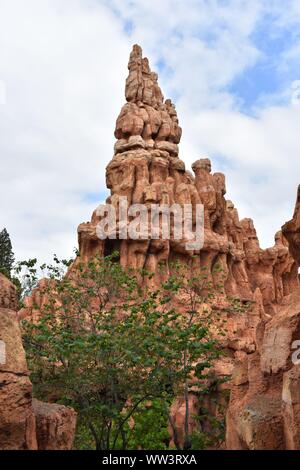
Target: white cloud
{"x": 64, "y": 66}
{"x": 204, "y": 43}
{"x": 262, "y": 160}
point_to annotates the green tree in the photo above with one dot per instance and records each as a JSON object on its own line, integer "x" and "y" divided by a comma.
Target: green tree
{"x": 6, "y": 253}
{"x": 110, "y": 348}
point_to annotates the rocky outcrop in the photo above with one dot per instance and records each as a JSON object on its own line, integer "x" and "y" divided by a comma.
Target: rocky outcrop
{"x": 291, "y": 231}
{"x": 291, "y": 408}
{"x": 263, "y": 412}
{"x": 263, "y": 399}
{"x": 25, "y": 423}
{"x": 146, "y": 121}
{"x": 146, "y": 170}
{"x": 17, "y": 420}
{"x": 8, "y": 294}
{"x": 264, "y": 406}
{"x": 55, "y": 426}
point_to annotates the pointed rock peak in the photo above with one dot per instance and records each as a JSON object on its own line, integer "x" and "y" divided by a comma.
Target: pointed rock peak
{"x": 135, "y": 57}
{"x": 204, "y": 164}
{"x": 141, "y": 83}
{"x": 146, "y": 120}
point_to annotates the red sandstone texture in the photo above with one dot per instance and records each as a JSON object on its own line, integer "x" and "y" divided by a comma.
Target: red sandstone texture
{"x": 25, "y": 423}
{"x": 146, "y": 169}
{"x": 291, "y": 230}
{"x": 264, "y": 406}
{"x": 55, "y": 425}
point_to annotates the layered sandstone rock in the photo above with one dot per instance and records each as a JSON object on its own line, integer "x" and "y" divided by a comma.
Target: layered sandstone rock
{"x": 17, "y": 420}
{"x": 291, "y": 408}
{"x": 146, "y": 169}
{"x": 146, "y": 121}
{"x": 25, "y": 424}
{"x": 291, "y": 231}
{"x": 263, "y": 410}
{"x": 264, "y": 405}
{"x": 38, "y": 299}
{"x": 8, "y": 294}
{"x": 55, "y": 426}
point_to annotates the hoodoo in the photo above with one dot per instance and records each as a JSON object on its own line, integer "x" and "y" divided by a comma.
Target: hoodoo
{"x": 263, "y": 411}
{"x": 264, "y": 407}
{"x": 146, "y": 169}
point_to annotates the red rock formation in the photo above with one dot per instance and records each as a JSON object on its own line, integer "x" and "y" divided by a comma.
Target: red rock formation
{"x": 145, "y": 121}
{"x": 264, "y": 406}
{"x": 178, "y": 414}
{"x": 8, "y": 295}
{"x": 55, "y": 426}
{"x": 17, "y": 420}
{"x": 291, "y": 231}
{"x": 25, "y": 423}
{"x": 146, "y": 170}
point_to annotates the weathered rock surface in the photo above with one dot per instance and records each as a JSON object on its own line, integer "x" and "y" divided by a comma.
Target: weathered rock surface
{"x": 55, "y": 426}
{"x": 262, "y": 413}
{"x": 291, "y": 231}
{"x": 17, "y": 420}
{"x": 25, "y": 424}
{"x": 8, "y": 294}
{"x": 291, "y": 408}
{"x": 146, "y": 121}
{"x": 146, "y": 169}
{"x": 264, "y": 405}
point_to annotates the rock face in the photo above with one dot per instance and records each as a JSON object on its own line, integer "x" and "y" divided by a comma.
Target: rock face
{"x": 17, "y": 420}
{"x": 146, "y": 170}
{"x": 291, "y": 408}
{"x": 146, "y": 121}
{"x": 178, "y": 410}
{"x": 8, "y": 295}
{"x": 291, "y": 230}
{"x": 55, "y": 425}
{"x": 264, "y": 405}
{"x": 24, "y": 422}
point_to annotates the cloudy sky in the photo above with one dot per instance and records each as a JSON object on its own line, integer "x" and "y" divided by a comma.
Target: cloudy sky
{"x": 231, "y": 66}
